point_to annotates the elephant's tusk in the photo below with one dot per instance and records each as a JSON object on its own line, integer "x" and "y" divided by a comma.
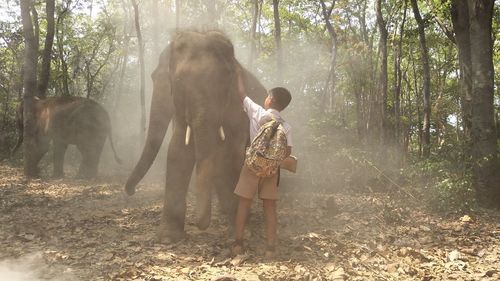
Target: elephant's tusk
{"x": 188, "y": 135}
{"x": 221, "y": 133}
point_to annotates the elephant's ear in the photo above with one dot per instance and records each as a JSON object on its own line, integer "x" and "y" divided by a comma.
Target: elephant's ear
{"x": 255, "y": 90}
{"x": 162, "y": 70}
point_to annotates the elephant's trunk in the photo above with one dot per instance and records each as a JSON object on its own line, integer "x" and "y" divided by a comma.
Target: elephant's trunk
{"x": 204, "y": 178}
{"x": 210, "y": 156}
{"x": 162, "y": 110}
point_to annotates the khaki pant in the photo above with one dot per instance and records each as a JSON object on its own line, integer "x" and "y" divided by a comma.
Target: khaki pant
{"x": 249, "y": 183}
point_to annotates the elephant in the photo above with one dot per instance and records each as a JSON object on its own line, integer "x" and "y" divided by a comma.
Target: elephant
{"x": 64, "y": 121}
{"x": 195, "y": 85}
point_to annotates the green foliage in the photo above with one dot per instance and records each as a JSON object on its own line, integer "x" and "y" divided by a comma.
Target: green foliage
{"x": 452, "y": 194}
{"x": 446, "y": 184}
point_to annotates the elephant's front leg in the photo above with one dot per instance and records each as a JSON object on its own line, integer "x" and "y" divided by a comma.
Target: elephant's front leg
{"x": 59, "y": 152}
{"x": 180, "y": 163}
{"x": 41, "y": 147}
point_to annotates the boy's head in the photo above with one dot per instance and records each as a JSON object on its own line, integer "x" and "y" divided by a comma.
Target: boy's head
{"x": 278, "y": 99}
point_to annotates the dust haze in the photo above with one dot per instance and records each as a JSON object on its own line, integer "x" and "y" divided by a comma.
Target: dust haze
{"x": 33, "y": 267}
{"x": 323, "y": 167}
{"x": 305, "y": 70}
{"x": 319, "y": 145}
{"x": 348, "y": 212}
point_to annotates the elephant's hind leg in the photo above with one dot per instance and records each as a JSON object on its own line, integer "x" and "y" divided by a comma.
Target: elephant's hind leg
{"x": 180, "y": 163}
{"x": 59, "y": 151}
{"x": 91, "y": 152}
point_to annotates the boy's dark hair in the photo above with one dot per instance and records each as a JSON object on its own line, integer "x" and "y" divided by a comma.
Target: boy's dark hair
{"x": 281, "y": 97}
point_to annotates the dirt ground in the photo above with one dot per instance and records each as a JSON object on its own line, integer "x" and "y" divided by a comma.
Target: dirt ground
{"x": 89, "y": 230}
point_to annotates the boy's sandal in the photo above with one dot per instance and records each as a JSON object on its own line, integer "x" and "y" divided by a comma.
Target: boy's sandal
{"x": 237, "y": 248}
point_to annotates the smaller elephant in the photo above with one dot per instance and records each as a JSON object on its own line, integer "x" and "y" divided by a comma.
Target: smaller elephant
{"x": 64, "y": 121}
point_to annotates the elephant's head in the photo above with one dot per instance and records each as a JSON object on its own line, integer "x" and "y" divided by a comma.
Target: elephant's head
{"x": 41, "y": 116}
{"x": 196, "y": 78}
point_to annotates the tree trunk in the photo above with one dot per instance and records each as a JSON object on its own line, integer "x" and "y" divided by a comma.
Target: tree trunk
{"x": 460, "y": 20}
{"x": 331, "y": 80}
{"x": 60, "y": 49}
{"x": 36, "y": 27}
{"x": 408, "y": 111}
{"x": 211, "y": 16}
{"x": 177, "y": 14}
{"x": 426, "y": 136}
{"x": 29, "y": 84}
{"x": 91, "y": 77}
{"x": 418, "y": 103}
{"x": 483, "y": 131}
{"x": 277, "y": 39}
{"x": 124, "y": 62}
{"x": 142, "y": 129}
{"x": 156, "y": 29}
{"x": 257, "y": 4}
{"x": 382, "y": 104}
{"x": 6, "y": 110}
{"x": 398, "y": 54}
{"x": 43, "y": 81}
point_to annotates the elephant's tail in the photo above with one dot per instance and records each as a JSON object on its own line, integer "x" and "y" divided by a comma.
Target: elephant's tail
{"x": 117, "y": 159}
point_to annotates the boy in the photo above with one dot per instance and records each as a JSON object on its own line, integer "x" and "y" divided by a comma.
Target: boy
{"x": 249, "y": 183}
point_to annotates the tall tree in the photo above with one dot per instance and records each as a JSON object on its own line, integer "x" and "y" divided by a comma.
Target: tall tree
{"x": 177, "y": 14}
{"x": 211, "y": 15}
{"x": 483, "y": 131}
{"x": 43, "y": 81}
{"x": 156, "y": 28}
{"x": 124, "y": 61}
{"x": 60, "y": 48}
{"x": 29, "y": 85}
{"x": 277, "y": 40}
{"x": 460, "y": 21}
{"x": 398, "y": 55}
{"x": 140, "y": 43}
{"x": 381, "y": 104}
{"x": 424, "y": 56}
{"x": 257, "y": 9}
{"x": 89, "y": 62}
{"x": 331, "y": 80}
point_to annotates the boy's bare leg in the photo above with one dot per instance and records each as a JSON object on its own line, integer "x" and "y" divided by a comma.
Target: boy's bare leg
{"x": 241, "y": 218}
{"x": 271, "y": 224}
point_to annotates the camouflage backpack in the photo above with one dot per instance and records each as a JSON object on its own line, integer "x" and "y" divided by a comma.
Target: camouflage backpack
{"x": 267, "y": 149}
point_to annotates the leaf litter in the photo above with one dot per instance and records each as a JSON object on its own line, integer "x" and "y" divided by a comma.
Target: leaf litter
{"x": 90, "y": 230}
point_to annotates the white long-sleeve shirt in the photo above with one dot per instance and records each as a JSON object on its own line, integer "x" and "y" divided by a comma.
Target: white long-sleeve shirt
{"x": 258, "y": 116}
